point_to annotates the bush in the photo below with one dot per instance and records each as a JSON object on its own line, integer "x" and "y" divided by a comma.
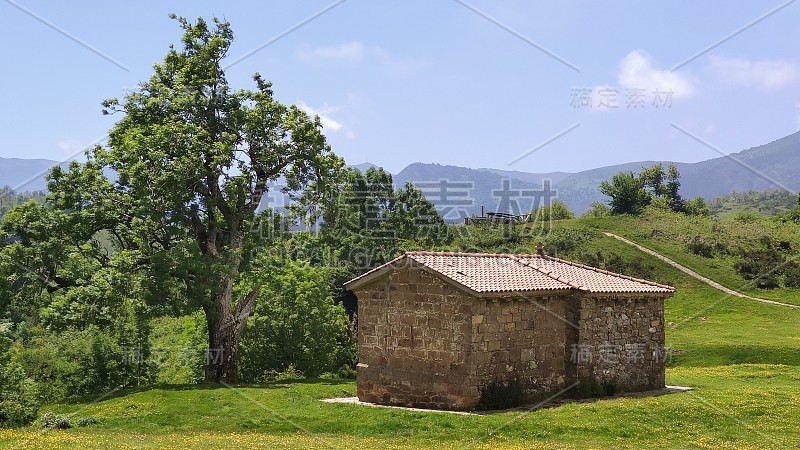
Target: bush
{"x": 502, "y": 395}
{"x": 747, "y": 216}
{"x": 296, "y": 325}
{"x": 558, "y": 210}
{"x": 561, "y": 241}
{"x": 762, "y": 265}
{"x": 76, "y": 363}
{"x": 636, "y": 266}
{"x": 696, "y": 207}
{"x": 791, "y": 273}
{"x": 700, "y": 247}
{"x": 598, "y": 209}
{"x": 19, "y": 402}
{"x": 52, "y": 421}
{"x": 591, "y": 388}
{"x": 14, "y": 413}
{"x": 86, "y": 421}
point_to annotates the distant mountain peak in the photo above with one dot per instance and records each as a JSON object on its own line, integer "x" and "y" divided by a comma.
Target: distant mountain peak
{"x": 363, "y": 167}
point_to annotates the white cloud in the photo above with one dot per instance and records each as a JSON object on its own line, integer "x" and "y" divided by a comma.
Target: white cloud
{"x": 397, "y": 66}
{"x": 353, "y": 52}
{"x": 71, "y": 147}
{"x": 765, "y": 73}
{"x": 328, "y": 123}
{"x": 636, "y": 71}
{"x": 347, "y": 52}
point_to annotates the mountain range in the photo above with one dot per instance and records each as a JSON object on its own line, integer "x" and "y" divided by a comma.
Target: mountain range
{"x": 461, "y": 191}
{"x": 772, "y": 166}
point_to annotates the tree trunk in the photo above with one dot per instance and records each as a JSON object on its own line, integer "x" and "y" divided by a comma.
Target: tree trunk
{"x": 225, "y": 328}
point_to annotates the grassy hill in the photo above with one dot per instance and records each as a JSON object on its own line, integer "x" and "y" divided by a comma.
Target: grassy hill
{"x": 741, "y": 357}
{"x": 768, "y": 203}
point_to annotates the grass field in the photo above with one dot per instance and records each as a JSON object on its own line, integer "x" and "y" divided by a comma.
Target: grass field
{"x": 668, "y": 233}
{"x": 741, "y": 357}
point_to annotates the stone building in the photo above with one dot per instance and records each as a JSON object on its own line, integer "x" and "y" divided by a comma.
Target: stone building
{"x": 435, "y": 328}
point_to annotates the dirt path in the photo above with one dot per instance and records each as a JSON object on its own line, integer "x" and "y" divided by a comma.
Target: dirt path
{"x": 694, "y": 274}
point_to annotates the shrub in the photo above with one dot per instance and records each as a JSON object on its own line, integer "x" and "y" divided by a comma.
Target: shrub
{"x": 75, "y": 363}
{"x": 598, "y": 209}
{"x": 502, "y": 394}
{"x": 19, "y": 402}
{"x": 16, "y": 414}
{"x": 86, "y": 421}
{"x": 591, "y": 388}
{"x": 760, "y": 265}
{"x": 562, "y": 241}
{"x": 791, "y": 273}
{"x": 636, "y": 266}
{"x": 746, "y": 216}
{"x": 696, "y": 207}
{"x": 296, "y": 325}
{"x": 52, "y": 421}
{"x": 558, "y": 210}
{"x": 700, "y": 247}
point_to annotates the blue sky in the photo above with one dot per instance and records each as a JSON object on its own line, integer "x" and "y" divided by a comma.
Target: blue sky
{"x": 476, "y": 83}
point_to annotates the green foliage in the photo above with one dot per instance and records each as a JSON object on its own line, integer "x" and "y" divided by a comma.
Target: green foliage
{"x": 192, "y": 159}
{"x": 296, "y": 323}
{"x": 637, "y": 266}
{"x": 52, "y": 421}
{"x": 630, "y": 194}
{"x": 747, "y": 216}
{"x": 76, "y": 363}
{"x": 700, "y": 247}
{"x": 9, "y": 199}
{"x": 791, "y": 274}
{"x": 368, "y": 222}
{"x": 557, "y": 210}
{"x": 597, "y": 209}
{"x": 19, "y": 395}
{"x": 589, "y": 387}
{"x": 87, "y": 421}
{"x": 696, "y": 207}
{"x": 763, "y": 265}
{"x": 498, "y": 394}
{"x": 769, "y": 203}
{"x": 627, "y": 192}
{"x": 564, "y": 241}
{"x": 177, "y": 349}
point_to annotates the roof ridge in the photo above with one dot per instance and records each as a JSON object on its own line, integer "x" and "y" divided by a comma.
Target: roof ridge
{"x": 607, "y": 272}
{"x": 427, "y": 253}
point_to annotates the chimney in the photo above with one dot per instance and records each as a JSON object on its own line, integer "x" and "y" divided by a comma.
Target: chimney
{"x": 540, "y": 249}
{"x": 482, "y": 213}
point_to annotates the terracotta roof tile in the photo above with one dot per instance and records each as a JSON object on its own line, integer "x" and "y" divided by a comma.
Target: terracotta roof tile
{"x": 498, "y": 273}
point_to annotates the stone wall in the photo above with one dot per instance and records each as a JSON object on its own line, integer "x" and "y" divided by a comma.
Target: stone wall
{"x": 425, "y": 343}
{"x": 520, "y": 338}
{"x": 621, "y": 341}
{"x": 413, "y": 335}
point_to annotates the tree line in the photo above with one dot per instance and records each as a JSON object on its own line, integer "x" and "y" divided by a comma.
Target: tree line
{"x": 168, "y": 221}
{"x": 630, "y": 193}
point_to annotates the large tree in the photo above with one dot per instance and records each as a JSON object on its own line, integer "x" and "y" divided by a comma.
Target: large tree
{"x": 191, "y": 160}
{"x": 627, "y": 192}
{"x": 631, "y": 193}
{"x": 369, "y": 222}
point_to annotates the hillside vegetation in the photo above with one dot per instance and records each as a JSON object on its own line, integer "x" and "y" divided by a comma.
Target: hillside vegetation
{"x": 741, "y": 357}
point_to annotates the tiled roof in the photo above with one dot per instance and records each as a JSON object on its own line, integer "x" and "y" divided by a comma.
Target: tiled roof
{"x": 484, "y": 273}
